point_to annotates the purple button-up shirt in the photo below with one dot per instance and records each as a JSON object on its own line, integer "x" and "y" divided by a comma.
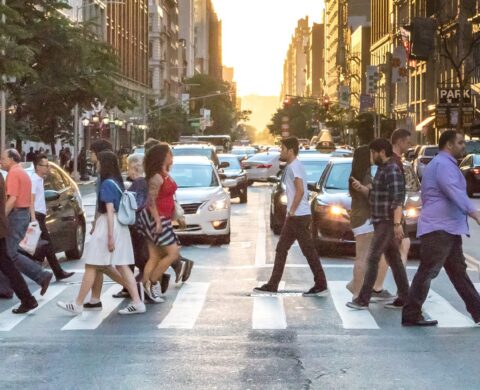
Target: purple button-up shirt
{"x": 444, "y": 196}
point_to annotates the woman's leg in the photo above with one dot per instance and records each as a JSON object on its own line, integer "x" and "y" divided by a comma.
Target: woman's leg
{"x": 381, "y": 275}
{"x": 154, "y": 256}
{"x": 130, "y": 283}
{"x": 87, "y": 283}
{"x": 362, "y": 245}
{"x": 172, "y": 254}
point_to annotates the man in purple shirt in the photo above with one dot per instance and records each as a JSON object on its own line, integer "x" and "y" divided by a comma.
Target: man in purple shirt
{"x": 443, "y": 221}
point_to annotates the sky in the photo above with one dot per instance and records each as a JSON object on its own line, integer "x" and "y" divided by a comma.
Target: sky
{"x": 256, "y": 35}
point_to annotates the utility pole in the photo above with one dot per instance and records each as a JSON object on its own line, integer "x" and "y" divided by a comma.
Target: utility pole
{"x": 76, "y": 124}
{"x": 3, "y": 100}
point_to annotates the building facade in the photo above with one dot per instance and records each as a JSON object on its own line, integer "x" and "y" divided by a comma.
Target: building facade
{"x": 186, "y": 33}
{"x": 359, "y": 60}
{"x": 315, "y": 73}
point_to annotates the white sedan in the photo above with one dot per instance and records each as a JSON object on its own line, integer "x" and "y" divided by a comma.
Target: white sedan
{"x": 261, "y": 166}
{"x": 205, "y": 203}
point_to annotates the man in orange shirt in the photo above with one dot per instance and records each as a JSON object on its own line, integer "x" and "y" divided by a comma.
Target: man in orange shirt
{"x": 17, "y": 210}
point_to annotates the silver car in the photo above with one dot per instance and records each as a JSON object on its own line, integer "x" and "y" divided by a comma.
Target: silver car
{"x": 426, "y": 154}
{"x": 261, "y": 166}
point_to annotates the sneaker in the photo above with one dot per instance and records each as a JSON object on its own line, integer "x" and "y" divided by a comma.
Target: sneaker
{"x": 179, "y": 275}
{"x": 188, "y": 269}
{"x": 316, "y": 292}
{"x": 71, "y": 307}
{"x": 93, "y": 306}
{"x": 397, "y": 304}
{"x": 356, "y": 305}
{"x": 164, "y": 283}
{"x": 382, "y": 295}
{"x": 265, "y": 289}
{"x": 133, "y": 309}
{"x": 123, "y": 293}
{"x": 151, "y": 291}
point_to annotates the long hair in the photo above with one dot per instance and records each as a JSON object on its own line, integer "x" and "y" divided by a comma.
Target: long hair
{"x": 154, "y": 159}
{"x": 360, "y": 165}
{"x": 109, "y": 168}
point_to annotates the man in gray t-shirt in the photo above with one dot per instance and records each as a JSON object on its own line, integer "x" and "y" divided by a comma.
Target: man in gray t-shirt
{"x": 297, "y": 224}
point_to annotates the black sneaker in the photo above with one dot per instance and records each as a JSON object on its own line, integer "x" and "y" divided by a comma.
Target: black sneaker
{"x": 164, "y": 283}
{"x": 265, "y": 289}
{"x": 316, "y": 292}
{"x": 357, "y": 305}
{"x": 122, "y": 294}
{"x": 188, "y": 269}
{"x": 93, "y": 306}
{"x": 397, "y": 304}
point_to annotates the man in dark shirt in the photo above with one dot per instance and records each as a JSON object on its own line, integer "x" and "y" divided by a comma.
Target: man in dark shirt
{"x": 386, "y": 200}
{"x": 31, "y": 155}
{"x": 17, "y": 283}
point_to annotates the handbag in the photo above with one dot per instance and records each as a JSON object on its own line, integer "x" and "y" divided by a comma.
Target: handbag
{"x": 30, "y": 241}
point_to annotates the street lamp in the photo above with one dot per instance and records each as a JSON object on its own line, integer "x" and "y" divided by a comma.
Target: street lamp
{"x": 85, "y": 122}
{"x": 95, "y": 118}
{"x": 106, "y": 120}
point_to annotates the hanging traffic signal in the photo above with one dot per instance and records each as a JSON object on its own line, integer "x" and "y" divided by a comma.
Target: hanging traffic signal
{"x": 286, "y": 102}
{"x": 326, "y": 103}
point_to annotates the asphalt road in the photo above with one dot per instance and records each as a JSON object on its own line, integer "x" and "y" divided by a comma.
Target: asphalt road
{"x": 211, "y": 334}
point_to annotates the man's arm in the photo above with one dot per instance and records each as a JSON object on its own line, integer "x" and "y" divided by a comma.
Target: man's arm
{"x": 10, "y": 204}
{"x": 298, "y": 194}
{"x": 396, "y": 189}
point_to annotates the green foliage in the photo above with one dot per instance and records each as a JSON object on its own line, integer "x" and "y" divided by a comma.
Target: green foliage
{"x": 167, "y": 124}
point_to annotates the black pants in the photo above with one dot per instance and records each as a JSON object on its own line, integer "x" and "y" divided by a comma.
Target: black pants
{"x": 17, "y": 283}
{"x": 384, "y": 242}
{"x": 297, "y": 228}
{"x": 440, "y": 249}
{"x": 47, "y": 250}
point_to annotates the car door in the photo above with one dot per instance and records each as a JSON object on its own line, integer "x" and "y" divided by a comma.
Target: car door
{"x": 55, "y": 185}
{"x": 466, "y": 165}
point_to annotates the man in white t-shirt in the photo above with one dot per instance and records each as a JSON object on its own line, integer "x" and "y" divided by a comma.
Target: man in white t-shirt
{"x": 39, "y": 212}
{"x": 297, "y": 224}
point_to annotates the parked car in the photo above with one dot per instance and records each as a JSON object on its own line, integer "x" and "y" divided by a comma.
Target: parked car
{"x": 243, "y": 152}
{"x": 205, "y": 150}
{"x": 472, "y": 147}
{"x": 470, "y": 167}
{"x": 205, "y": 203}
{"x": 65, "y": 219}
{"x": 314, "y": 165}
{"x": 261, "y": 166}
{"x": 332, "y": 205}
{"x": 425, "y": 155}
{"x": 234, "y": 171}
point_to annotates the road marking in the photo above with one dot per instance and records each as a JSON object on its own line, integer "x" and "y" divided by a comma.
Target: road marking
{"x": 261, "y": 240}
{"x": 8, "y": 320}
{"x": 187, "y": 307}
{"x": 472, "y": 263}
{"x": 269, "y": 312}
{"x": 351, "y": 318}
{"x": 90, "y": 320}
{"x": 447, "y": 316}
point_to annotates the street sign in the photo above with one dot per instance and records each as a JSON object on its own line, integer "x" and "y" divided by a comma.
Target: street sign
{"x": 453, "y": 95}
{"x": 373, "y": 75}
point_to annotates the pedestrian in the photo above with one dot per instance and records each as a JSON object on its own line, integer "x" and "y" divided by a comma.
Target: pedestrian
{"x": 297, "y": 224}
{"x": 443, "y": 220}
{"x": 110, "y": 245}
{"x": 17, "y": 209}
{"x": 361, "y": 224}
{"x": 39, "y": 212}
{"x": 386, "y": 200}
{"x": 7, "y": 267}
{"x": 156, "y": 219}
{"x": 401, "y": 142}
{"x": 30, "y": 155}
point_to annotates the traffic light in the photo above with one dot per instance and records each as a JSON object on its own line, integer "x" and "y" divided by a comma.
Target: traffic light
{"x": 326, "y": 103}
{"x": 286, "y": 102}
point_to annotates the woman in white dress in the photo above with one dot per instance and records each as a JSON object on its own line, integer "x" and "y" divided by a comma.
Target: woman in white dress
{"x": 110, "y": 248}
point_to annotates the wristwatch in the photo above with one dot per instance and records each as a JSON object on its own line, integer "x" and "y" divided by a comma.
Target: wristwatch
{"x": 290, "y": 214}
{"x": 397, "y": 224}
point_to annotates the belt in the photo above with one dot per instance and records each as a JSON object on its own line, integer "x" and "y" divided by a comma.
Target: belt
{"x": 20, "y": 208}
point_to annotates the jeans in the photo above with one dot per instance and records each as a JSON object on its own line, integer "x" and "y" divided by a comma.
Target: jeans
{"x": 13, "y": 275}
{"x": 440, "y": 249}
{"x": 384, "y": 242}
{"x": 297, "y": 228}
{"x": 18, "y": 221}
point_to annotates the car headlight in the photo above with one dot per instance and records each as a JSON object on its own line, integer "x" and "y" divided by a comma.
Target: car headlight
{"x": 338, "y": 211}
{"x": 218, "y": 205}
{"x": 411, "y": 212}
{"x": 283, "y": 199}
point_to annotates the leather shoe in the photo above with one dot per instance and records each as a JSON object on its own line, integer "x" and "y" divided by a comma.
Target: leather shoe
{"x": 45, "y": 284}
{"x": 420, "y": 322}
{"x": 64, "y": 275}
{"x": 25, "y": 307}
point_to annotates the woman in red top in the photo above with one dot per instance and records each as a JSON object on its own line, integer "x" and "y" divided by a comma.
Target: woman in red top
{"x": 156, "y": 218}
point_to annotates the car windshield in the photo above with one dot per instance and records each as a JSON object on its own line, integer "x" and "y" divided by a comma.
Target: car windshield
{"x": 338, "y": 177}
{"x": 476, "y": 160}
{"x": 193, "y": 152}
{"x": 233, "y": 161}
{"x": 190, "y": 175}
{"x": 472, "y": 147}
{"x": 314, "y": 169}
{"x": 411, "y": 181}
{"x": 430, "y": 152}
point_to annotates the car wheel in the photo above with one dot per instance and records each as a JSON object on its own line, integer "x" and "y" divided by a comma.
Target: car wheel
{"x": 76, "y": 252}
{"x": 243, "y": 195}
{"x": 469, "y": 188}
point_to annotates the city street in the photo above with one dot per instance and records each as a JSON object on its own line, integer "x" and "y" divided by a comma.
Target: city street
{"x": 211, "y": 334}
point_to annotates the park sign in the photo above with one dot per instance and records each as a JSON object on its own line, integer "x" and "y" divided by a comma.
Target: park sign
{"x": 452, "y": 96}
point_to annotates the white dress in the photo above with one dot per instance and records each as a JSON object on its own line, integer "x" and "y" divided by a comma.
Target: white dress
{"x": 97, "y": 252}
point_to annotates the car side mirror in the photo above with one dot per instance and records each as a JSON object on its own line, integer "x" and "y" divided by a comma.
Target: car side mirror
{"x": 51, "y": 195}
{"x": 224, "y": 164}
{"x": 273, "y": 179}
{"x": 227, "y": 183}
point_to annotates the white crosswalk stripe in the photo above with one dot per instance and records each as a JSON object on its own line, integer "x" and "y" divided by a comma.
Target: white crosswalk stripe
{"x": 269, "y": 311}
{"x": 8, "y": 320}
{"x": 447, "y": 316}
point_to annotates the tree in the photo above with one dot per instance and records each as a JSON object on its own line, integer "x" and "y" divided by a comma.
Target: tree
{"x": 167, "y": 124}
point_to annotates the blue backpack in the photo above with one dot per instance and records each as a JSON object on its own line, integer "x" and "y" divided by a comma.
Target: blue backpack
{"x": 128, "y": 206}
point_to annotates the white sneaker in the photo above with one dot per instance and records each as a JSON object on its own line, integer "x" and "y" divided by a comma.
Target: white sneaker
{"x": 71, "y": 307}
{"x": 133, "y": 309}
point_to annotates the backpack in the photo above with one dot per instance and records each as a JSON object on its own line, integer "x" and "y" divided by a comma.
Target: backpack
{"x": 128, "y": 206}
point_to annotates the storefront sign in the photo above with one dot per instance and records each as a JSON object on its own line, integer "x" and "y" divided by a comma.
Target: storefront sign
{"x": 452, "y": 95}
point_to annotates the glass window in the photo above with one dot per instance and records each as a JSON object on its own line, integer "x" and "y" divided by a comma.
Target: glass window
{"x": 233, "y": 161}
{"x": 54, "y": 181}
{"x": 192, "y": 152}
{"x": 472, "y": 147}
{"x": 431, "y": 152}
{"x": 476, "y": 160}
{"x": 314, "y": 170}
{"x": 338, "y": 177}
{"x": 186, "y": 176}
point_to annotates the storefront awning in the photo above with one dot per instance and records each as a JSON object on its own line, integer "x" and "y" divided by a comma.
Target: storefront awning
{"x": 425, "y": 122}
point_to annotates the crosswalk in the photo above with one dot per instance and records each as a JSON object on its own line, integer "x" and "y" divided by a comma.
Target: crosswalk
{"x": 266, "y": 313}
